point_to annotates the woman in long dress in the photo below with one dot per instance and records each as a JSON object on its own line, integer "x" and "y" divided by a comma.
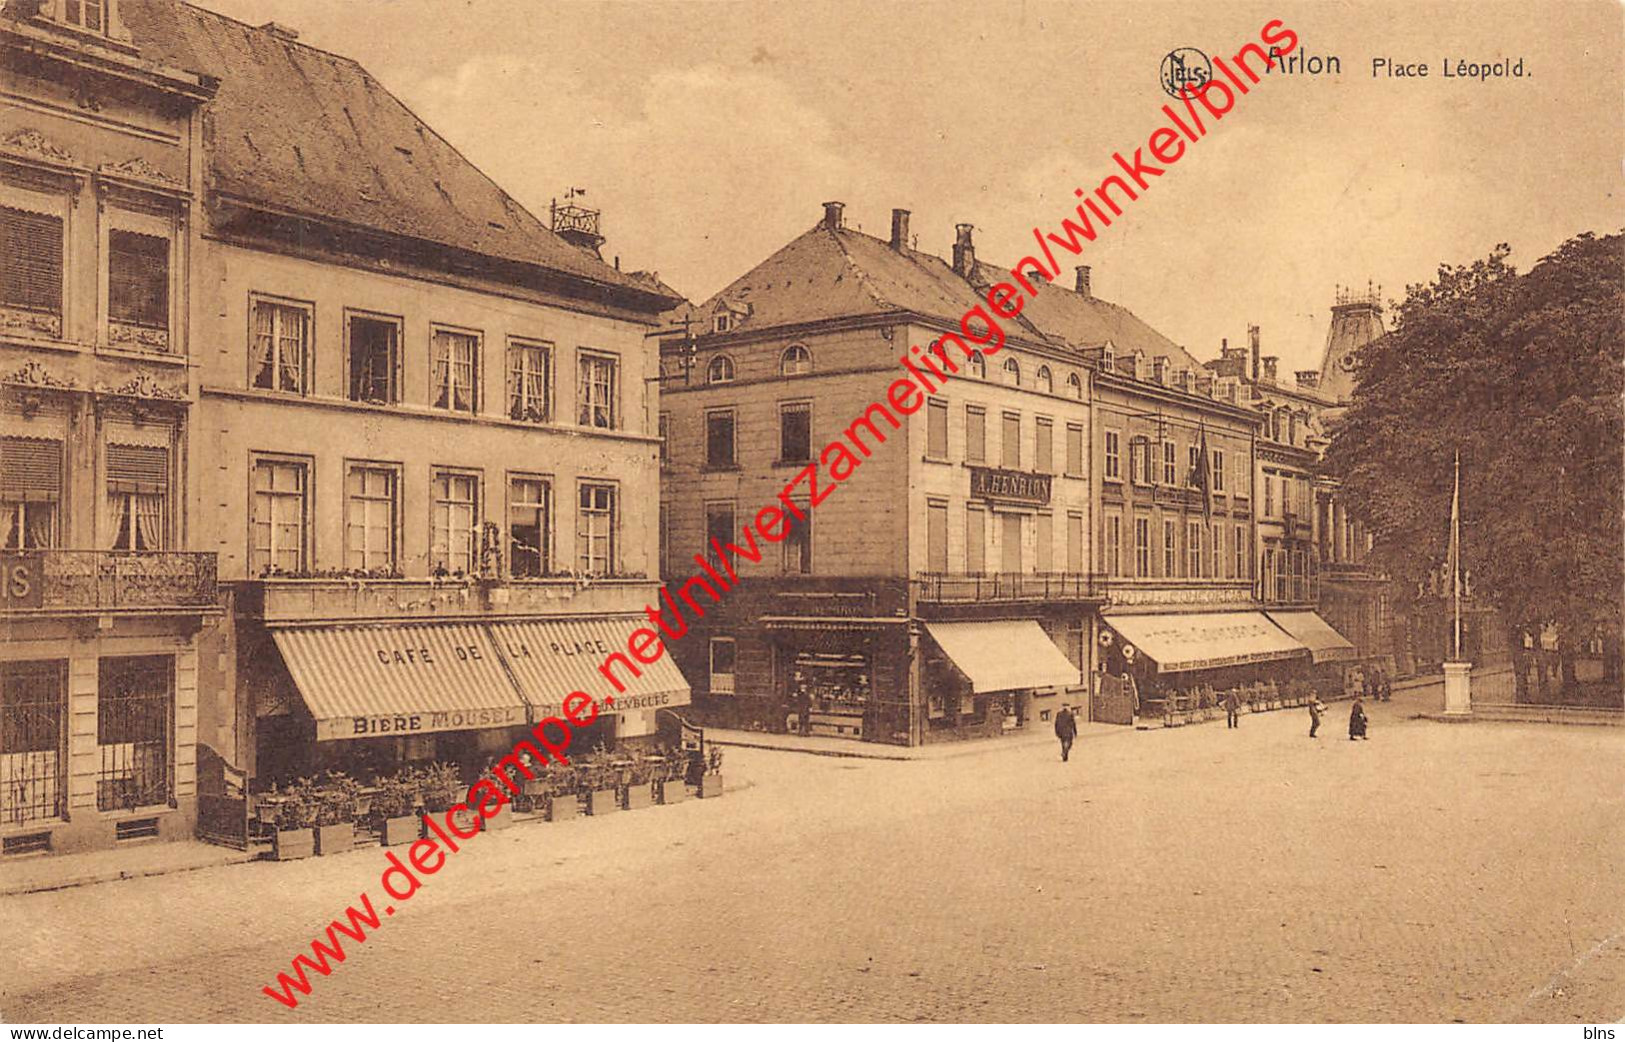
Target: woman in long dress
{"x": 1357, "y": 721}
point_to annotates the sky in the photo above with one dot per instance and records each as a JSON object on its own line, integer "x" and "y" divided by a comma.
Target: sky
{"x": 710, "y": 134}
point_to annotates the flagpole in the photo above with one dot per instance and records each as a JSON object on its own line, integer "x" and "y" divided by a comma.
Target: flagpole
{"x": 1458, "y": 675}
{"x": 1455, "y": 543}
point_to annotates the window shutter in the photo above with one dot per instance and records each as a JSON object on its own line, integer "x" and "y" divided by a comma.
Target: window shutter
{"x": 138, "y": 279}
{"x": 137, "y": 468}
{"x": 31, "y": 272}
{"x": 30, "y": 468}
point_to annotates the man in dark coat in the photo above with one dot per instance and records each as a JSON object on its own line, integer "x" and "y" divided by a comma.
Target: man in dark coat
{"x": 1232, "y": 708}
{"x": 1357, "y": 722}
{"x": 1066, "y": 729}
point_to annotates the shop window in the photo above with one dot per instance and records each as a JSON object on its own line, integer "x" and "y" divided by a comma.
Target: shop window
{"x": 135, "y": 708}
{"x": 454, "y": 523}
{"x": 30, "y": 492}
{"x": 1044, "y": 449}
{"x": 595, "y": 530}
{"x": 375, "y": 353}
{"x": 279, "y": 541}
{"x": 723, "y": 653}
{"x": 138, "y": 279}
{"x": 936, "y": 429}
{"x": 795, "y": 432}
{"x": 371, "y": 520}
{"x": 719, "y": 439}
{"x": 33, "y": 741}
{"x": 975, "y": 434}
{"x": 830, "y": 681}
{"x": 281, "y": 355}
{"x": 598, "y": 383}
{"x": 798, "y": 547}
{"x": 30, "y": 261}
{"x": 936, "y": 536}
{"x": 454, "y": 381}
{"x": 529, "y": 533}
{"x": 137, "y": 496}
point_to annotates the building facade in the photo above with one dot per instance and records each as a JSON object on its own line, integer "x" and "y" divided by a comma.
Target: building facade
{"x": 105, "y": 597}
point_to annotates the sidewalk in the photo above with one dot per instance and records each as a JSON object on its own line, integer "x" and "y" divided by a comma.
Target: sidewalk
{"x": 1038, "y": 734}
{"x": 60, "y": 871}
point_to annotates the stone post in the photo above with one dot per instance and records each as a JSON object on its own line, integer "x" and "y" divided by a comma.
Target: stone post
{"x": 1458, "y": 699}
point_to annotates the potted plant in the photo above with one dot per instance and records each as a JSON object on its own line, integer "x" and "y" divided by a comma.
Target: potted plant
{"x": 603, "y": 783}
{"x": 711, "y": 780}
{"x": 442, "y": 790}
{"x": 393, "y": 805}
{"x": 295, "y": 835}
{"x": 563, "y": 783}
{"x": 673, "y": 777}
{"x": 640, "y": 787}
{"x": 336, "y": 798}
{"x": 504, "y": 815}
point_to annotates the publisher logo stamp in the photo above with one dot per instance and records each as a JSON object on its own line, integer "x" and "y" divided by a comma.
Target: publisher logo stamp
{"x": 1185, "y": 67}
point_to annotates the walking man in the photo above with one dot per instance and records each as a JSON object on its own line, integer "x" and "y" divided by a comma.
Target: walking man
{"x": 1066, "y": 729}
{"x": 1315, "y": 708}
{"x": 1232, "y": 708}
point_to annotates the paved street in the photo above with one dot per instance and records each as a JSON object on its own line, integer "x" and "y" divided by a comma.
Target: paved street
{"x": 1434, "y": 873}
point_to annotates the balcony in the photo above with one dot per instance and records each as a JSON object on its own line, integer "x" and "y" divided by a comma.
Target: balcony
{"x": 355, "y": 599}
{"x": 1005, "y": 587}
{"x": 102, "y": 581}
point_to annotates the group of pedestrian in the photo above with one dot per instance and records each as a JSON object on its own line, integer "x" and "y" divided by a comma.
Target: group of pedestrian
{"x": 1376, "y": 685}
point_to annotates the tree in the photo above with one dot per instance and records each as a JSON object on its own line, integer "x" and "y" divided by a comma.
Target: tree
{"x": 1522, "y": 375}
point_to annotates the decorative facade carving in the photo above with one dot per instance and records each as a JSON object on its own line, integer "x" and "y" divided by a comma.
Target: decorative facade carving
{"x": 34, "y": 323}
{"x": 30, "y": 142}
{"x": 32, "y": 374}
{"x": 142, "y": 385}
{"x": 138, "y": 168}
{"x": 138, "y": 338}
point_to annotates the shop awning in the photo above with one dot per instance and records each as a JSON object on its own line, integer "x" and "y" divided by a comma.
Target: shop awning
{"x": 1004, "y": 656}
{"x": 551, "y": 658}
{"x": 1178, "y": 643}
{"x": 1325, "y": 644}
{"x": 382, "y": 681}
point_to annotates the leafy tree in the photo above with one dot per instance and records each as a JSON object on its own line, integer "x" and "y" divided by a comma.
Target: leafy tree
{"x": 1522, "y": 375}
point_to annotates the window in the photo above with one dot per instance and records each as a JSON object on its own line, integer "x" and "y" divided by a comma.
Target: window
{"x": 375, "y": 355}
{"x": 1170, "y": 549}
{"x": 795, "y": 431}
{"x": 1074, "y": 541}
{"x": 1148, "y": 462}
{"x": 1292, "y": 428}
{"x": 978, "y": 365}
{"x": 719, "y": 529}
{"x": 30, "y": 489}
{"x": 1111, "y": 546}
{"x": 1191, "y": 477}
{"x": 1074, "y": 449}
{"x": 137, "y": 496}
{"x": 33, "y": 740}
{"x": 936, "y": 429}
{"x": 281, "y": 345}
{"x": 456, "y": 371}
{"x": 723, "y": 323}
{"x": 1142, "y": 546}
{"x": 280, "y": 543}
{"x": 798, "y": 541}
{"x": 598, "y": 383}
{"x": 1074, "y": 386}
{"x": 1269, "y": 494}
{"x": 936, "y": 536}
{"x": 86, "y": 14}
{"x": 530, "y": 381}
{"x": 30, "y": 261}
{"x": 1113, "y": 456}
{"x": 1044, "y": 534}
{"x": 1193, "y": 549}
{"x": 796, "y": 361}
{"x": 1012, "y": 372}
{"x": 530, "y": 531}
{"x": 720, "y": 371}
{"x": 1218, "y": 470}
{"x": 1240, "y": 548}
{"x": 1010, "y": 526}
{"x": 665, "y": 438}
{"x": 719, "y": 438}
{"x": 135, "y": 714}
{"x": 138, "y": 279}
{"x": 1170, "y": 469}
{"x": 975, "y": 434}
{"x": 1046, "y": 382}
{"x": 372, "y": 507}
{"x": 975, "y": 540}
{"x": 1214, "y": 561}
{"x": 722, "y": 657}
{"x": 1044, "y": 449}
{"x": 454, "y": 524}
{"x": 595, "y": 530}
{"x": 1010, "y": 446}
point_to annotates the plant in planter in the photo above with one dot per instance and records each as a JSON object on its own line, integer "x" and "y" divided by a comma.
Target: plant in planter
{"x": 295, "y": 835}
{"x": 640, "y": 786}
{"x": 441, "y": 785}
{"x": 603, "y": 770}
{"x": 563, "y": 782}
{"x": 504, "y": 816}
{"x": 533, "y": 787}
{"x": 336, "y": 799}
{"x": 673, "y": 777}
{"x": 394, "y": 806}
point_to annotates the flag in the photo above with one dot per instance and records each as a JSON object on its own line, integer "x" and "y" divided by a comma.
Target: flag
{"x": 1200, "y": 478}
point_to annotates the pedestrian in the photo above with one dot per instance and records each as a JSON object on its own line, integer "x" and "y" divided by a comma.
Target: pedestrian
{"x": 1357, "y": 721}
{"x": 1066, "y": 729}
{"x": 1232, "y": 708}
{"x": 1316, "y": 707}
{"x": 1368, "y": 682}
{"x": 1384, "y": 686}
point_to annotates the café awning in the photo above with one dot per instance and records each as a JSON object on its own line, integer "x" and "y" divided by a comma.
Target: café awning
{"x": 553, "y": 657}
{"x": 1011, "y": 655}
{"x": 1325, "y": 644}
{"x": 1205, "y": 640}
{"x": 387, "y": 681}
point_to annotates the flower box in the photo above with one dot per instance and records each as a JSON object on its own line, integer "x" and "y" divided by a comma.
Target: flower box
{"x": 335, "y": 839}
{"x": 640, "y": 795}
{"x": 603, "y": 801}
{"x": 710, "y": 786}
{"x": 399, "y": 831}
{"x": 673, "y": 790}
{"x": 502, "y": 819}
{"x": 288, "y": 844}
{"x": 563, "y": 807}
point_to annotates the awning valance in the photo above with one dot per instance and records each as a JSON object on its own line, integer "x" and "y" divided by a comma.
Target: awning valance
{"x": 1178, "y": 643}
{"x": 1325, "y": 644}
{"x": 1004, "y": 656}
{"x": 375, "y": 681}
{"x": 551, "y": 658}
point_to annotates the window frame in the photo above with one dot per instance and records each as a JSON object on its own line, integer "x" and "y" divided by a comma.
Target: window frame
{"x": 786, "y": 408}
{"x": 477, "y": 479}
{"x": 585, "y": 357}
{"x": 306, "y": 466}
{"x": 548, "y": 523}
{"x": 732, "y": 414}
{"x": 1111, "y": 454}
{"x": 1216, "y": 468}
{"x": 784, "y": 361}
{"x": 1009, "y": 440}
{"x": 516, "y": 378}
{"x": 614, "y": 521}
{"x": 396, "y": 353}
{"x": 720, "y": 370}
{"x": 307, "y": 352}
{"x": 712, "y": 687}
{"x": 976, "y": 366}
{"x": 1010, "y": 366}
{"x": 1170, "y": 548}
{"x": 394, "y": 470}
{"x": 976, "y": 419}
{"x": 50, "y": 206}
{"x": 1044, "y": 444}
{"x": 1142, "y": 546}
{"x": 936, "y": 506}
{"x": 797, "y": 528}
{"x": 476, "y": 367}
{"x": 1044, "y": 380}
{"x": 159, "y": 231}
{"x": 936, "y": 419}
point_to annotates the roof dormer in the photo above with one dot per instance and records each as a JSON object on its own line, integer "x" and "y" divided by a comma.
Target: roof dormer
{"x": 98, "y": 18}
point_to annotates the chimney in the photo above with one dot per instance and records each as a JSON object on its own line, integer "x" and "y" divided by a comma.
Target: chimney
{"x": 1252, "y": 339}
{"x": 964, "y": 250}
{"x": 278, "y": 29}
{"x": 1269, "y": 368}
{"x": 899, "y": 230}
{"x": 1083, "y": 280}
{"x": 832, "y": 215}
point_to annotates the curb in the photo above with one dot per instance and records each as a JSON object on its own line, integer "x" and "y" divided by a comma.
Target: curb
{"x": 969, "y": 747}
{"x": 117, "y": 875}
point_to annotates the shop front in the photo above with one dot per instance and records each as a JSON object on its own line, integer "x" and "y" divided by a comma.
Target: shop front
{"x": 842, "y": 678}
{"x": 987, "y": 677}
{"x": 1333, "y": 657}
{"x": 1188, "y": 660}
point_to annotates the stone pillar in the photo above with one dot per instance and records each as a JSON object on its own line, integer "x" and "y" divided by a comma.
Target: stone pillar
{"x": 84, "y": 761}
{"x": 1458, "y": 700}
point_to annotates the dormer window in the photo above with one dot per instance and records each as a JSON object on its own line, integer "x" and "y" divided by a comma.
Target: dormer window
{"x": 721, "y": 369}
{"x": 796, "y": 361}
{"x": 724, "y": 323}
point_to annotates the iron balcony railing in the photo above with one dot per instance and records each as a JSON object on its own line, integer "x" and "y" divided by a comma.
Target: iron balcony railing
{"x": 107, "y": 580}
{"x": 942, "y": 588}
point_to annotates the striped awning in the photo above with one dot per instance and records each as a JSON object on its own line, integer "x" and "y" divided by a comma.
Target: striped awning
{"x": 378, "y": 681}
{"x": 1325, "y": 644}
{"x": 553, "y": 657}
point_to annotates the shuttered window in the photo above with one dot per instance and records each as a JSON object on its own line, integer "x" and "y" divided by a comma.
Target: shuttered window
{"x": 138, "y": 279}
{"x": 30, "y": 469}
{"x": 137, "y": 468}
{"x": 30, "y": 260}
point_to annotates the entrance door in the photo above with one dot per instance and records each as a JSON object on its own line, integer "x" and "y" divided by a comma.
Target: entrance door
{"x": 1010, "y": 543}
